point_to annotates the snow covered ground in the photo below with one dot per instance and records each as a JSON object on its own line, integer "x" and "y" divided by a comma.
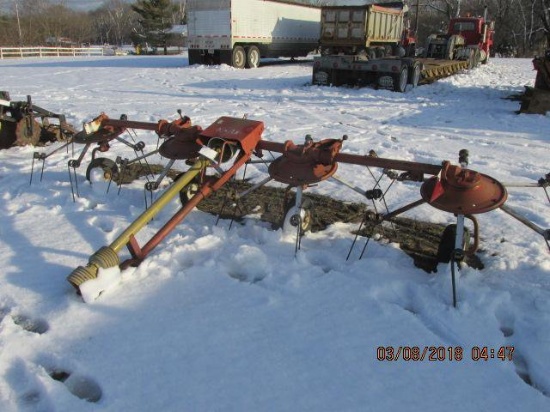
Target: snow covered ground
{"x": 231, "y": 320}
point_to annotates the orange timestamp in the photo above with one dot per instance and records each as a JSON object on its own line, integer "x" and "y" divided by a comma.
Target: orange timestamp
{"x": 442, "y": 353}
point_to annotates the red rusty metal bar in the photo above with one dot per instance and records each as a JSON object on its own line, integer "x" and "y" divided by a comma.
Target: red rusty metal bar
{"x": 362, "y": 160}
{"x": 385, "y": 163}
{"x": 130, "y": 124}
{"x": 205, "y": 191}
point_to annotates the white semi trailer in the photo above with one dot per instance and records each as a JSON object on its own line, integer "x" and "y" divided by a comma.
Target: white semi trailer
{"x": 240, "y": 32}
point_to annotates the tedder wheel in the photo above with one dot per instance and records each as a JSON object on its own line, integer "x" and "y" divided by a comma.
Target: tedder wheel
{"x": 400, "y": 80}
{"x": 189, "y": 190}
{"x": 101, "y": 169}
{"x": 252, "y": 57}
{"x": 447, "y": 243}
{"x": 238, "y": 58}
{"x": 414, "y": 75}
{"x": 291, "y": 217}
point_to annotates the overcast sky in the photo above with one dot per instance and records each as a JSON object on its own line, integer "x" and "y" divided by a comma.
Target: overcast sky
{"x": 91, "y": 5}
{"x": 86, "y": 5}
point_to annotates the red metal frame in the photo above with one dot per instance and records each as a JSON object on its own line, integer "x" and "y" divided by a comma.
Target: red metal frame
{"x": 450, "y": 188}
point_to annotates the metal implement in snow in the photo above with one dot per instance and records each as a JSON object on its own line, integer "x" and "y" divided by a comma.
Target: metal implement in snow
{"x": 230, "y": 143}
{"x": 536, "y": 100}
{"x": 100, "y": 133}
{"x": 22, "y": 123}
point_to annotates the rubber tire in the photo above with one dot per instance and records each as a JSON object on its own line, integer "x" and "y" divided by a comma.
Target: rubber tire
{"x": 188, "y": 191}
{"x": 540, "y": 82}
{"x": 7, "y": 134}
{"x": 400, "y": 80}
{"x": 109, "y": 168}
{"x": 306, "y": 221}
{"x": 194, "y": 57}
{"x": 238, "y": 57}
{"x": 447, "y": 243}
{"x": 252, "y": 57}
{"x": 487, "y": 57}
{"x": 414, "y": 75}
{"x": 371, "y": 53}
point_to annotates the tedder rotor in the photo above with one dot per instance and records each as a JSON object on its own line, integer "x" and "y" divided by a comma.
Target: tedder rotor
{"x": 100, "y": 133}
{"x": 229, "y": 144}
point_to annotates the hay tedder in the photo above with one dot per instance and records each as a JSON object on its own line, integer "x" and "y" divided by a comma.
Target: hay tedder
{"x": 216, "y": 153}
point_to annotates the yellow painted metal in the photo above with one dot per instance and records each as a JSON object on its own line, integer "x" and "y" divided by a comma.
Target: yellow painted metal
{"x": 158, "y": 205}
{"x": 434, "y": 69}
{"x": 107, "y": 256}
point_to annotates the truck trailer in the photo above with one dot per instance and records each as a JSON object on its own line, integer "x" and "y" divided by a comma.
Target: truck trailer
{"x": 240, "y": 32}
{"x": 393, "y": 63}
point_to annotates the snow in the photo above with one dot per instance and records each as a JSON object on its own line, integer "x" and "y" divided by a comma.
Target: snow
{"x": 234, "y": 320}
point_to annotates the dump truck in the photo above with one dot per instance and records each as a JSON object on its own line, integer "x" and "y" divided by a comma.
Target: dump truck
{"x": 369, "y": 31}
{"x": 241, "y": 32}
{"x": 379, "y": 51}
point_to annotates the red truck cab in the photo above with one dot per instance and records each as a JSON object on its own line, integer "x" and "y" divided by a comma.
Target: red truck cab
{"x": 476, "y": 31}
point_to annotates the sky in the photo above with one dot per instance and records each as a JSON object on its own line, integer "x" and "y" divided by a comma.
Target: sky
{"x": 84, "y": 5}
{"x": 232, "y": 317}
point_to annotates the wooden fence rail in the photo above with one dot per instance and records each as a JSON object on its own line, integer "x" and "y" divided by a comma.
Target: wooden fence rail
{"x": 20, "y": 52}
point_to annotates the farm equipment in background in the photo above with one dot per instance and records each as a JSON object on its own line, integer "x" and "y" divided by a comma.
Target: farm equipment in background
{"x": 372, "y": 45}
{"x": 229, "y": 144}
{"x": 536, "y": 100}
{"x": 19, "y": 125}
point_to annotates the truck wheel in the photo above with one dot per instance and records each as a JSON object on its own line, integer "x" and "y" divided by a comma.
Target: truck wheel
{"x": 414, "y": 74}
{"x": 194, "y": 57}
{"x": 471, "y": 60}
{"x": 252, "y": 57}
{"x": 238, "y": 58}
{"x": 477, "y": 58}
{"x": 371, "y": 53}
{"x": 486, "y": 59}
{"x": 400, "y": 80}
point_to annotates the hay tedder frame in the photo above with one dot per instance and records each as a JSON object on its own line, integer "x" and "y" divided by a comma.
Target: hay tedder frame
{"x": 216, "y": 153}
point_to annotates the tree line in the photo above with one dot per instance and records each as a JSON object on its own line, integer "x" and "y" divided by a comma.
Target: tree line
{"x": 522, "y": 26}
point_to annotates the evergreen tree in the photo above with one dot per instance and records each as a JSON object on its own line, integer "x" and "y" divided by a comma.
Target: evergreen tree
{"x": 156, "y": 18}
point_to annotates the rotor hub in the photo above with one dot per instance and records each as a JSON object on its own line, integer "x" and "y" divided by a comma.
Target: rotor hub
{"x": 306, "y": 164}
{"x": 463, "y": 191}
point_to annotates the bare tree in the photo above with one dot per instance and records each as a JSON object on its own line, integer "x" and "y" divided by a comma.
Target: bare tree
{"x": 545, "y": 18}
{"x": 179, "y": 15}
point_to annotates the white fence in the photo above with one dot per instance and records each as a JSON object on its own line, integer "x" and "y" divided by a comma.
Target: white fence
{"x": 19, "y": 52}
